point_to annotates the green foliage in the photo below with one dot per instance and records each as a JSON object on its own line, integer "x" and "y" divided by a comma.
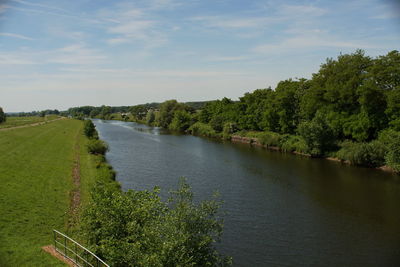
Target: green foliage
{"x": 96, "y": 146}
{"x": 202, "y": 129}
{"x": 291, "y": 143}
{"x": 391, "y": 140}
{"x": 266, "y": 138}
{"x": 229, "y": 129}
{"x": 364, "y": 154}
{"x": 136, "y": 228}
{"x": 218, "y": 112}
{"x": 89, "y": 129}
{"x": 150, "y": 117}
{"x": 2, "y": 115}
{"x": 167, "y": 112}
{"x": 393, "y": 108}
{"x": 181, "y": 122}
{"x": 317, "y": 135}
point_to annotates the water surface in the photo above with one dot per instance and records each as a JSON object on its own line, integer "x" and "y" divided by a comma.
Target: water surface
{"x": 282, "y": 210}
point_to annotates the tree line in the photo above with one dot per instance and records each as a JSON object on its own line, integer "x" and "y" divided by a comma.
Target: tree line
{"x": 349, "y": 109}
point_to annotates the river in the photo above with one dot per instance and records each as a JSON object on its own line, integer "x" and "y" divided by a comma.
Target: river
{"x": 281, "y": 209}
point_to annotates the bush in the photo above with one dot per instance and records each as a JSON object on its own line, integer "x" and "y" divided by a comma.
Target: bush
{"x": 364, "y": 154}
{"x": 317, "y": 134}
{"x": 181, "y": 121}
{"x": 202, "y": 129}
{"x": 229, "y": 129}
{"x": 89, "y": 129}
{"x": 269, "y": 139}
{"x": 136, "y": 228}
{"x": 391, "y": 140}
{"x": 294, "y": 143}
{"x": 95, "y": 146}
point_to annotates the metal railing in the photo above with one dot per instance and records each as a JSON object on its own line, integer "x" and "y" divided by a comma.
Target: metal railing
{"x": 75, "y": 252}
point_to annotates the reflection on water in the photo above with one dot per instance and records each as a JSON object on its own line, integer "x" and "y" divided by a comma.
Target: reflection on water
{"x": 282, "y": 210}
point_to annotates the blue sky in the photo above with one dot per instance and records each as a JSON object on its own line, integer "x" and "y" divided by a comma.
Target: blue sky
{"x": 59, "y": 54}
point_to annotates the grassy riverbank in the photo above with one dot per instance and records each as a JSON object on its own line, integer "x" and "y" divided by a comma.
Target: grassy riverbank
{"x": 21, "y": 121}
{"x": 36, "y": 174}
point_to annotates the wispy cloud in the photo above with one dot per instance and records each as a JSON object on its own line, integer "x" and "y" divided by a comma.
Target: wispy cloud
{"x": 232, "y": 23}
{"x": 14, "y": 35}
{"x": 227, "y": 58}
{"x": 131, "y": 25}
{"x": 304, "y": 42}
{"x": 76, "y": 54}
{"x": 39, "y": 5}
{"x": 15, "y": 59}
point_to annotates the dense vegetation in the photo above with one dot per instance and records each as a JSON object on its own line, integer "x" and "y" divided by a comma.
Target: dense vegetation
{"x": 349, "y": 109}
{"x": 136, "y": 228}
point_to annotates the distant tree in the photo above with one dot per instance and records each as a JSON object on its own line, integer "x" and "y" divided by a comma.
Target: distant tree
{"x": 2, "y": 115}
{"x": 317, "y": 134}
{"x": 90, "y": 129}
{"x": 181, "y": 122}
{"x": 167, "y": 112}
{"x": 150, "y": 117}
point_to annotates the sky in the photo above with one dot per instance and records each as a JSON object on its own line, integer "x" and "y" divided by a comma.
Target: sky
{"x": 61, "y": 54}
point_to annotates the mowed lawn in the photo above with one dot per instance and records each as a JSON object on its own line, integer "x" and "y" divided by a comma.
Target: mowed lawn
{"x": 35, "y": 181}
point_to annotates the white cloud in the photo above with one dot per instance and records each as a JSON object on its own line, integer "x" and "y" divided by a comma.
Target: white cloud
{"x": 302, "y": 42}
{"x": 14, "y": 35}
{"x": 38, "y": 5}
{"x": 227, "y": 59}
{"x": 15, "y": 59}
{"x": 76, "y": 54}
{"x": 291, "y": 11}
{"x": 230, "y": 22}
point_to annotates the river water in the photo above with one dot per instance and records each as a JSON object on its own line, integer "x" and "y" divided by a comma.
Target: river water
{"x": 282, "y": 210}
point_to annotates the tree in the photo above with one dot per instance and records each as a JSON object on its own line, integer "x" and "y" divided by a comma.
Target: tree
{"x": 167, "y": 112}
{"x": 136, "y": 228}
{"x": 2, "y": 115}
{"x": 181, "y": 122}
{"x": 150, "y": 117}
{"x": 317, "y": 134}
{"x": 89, "y": 129}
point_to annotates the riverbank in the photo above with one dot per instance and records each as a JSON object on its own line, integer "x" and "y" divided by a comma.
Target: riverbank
{"x": 253, "y": 141}
{"x": 46, "y": 177}
{"x": 272, "y": 141}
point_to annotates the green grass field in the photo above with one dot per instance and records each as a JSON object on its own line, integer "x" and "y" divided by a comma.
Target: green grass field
{"x": 35, "y": 181}
{"x": 19, "y": 121}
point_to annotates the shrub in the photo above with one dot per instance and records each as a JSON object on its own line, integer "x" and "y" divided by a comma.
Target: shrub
{"x": 95, "y": 146}
{"x": 364, "y": 154}
{"x": 229, "y": 129}
{"x": 89, "y": 129}
{"x": 181, "y": 121}
{"x": 391, "y": 140}
{"x": 202, "y": 129}
{"x": 317, "y": 134}
{"x": 136, "y": 228}
{"x": 294, "y": 143}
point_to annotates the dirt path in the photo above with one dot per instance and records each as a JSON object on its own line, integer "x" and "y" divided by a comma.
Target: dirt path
{"x": 30, "y": 125}
{"x": 75, "y": 194}
{"x": 52, "y": 251}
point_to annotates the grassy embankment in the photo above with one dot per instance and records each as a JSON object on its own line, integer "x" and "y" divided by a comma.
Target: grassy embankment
{"x": 21, "y": 121}
{"x": 36, "y": 174}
